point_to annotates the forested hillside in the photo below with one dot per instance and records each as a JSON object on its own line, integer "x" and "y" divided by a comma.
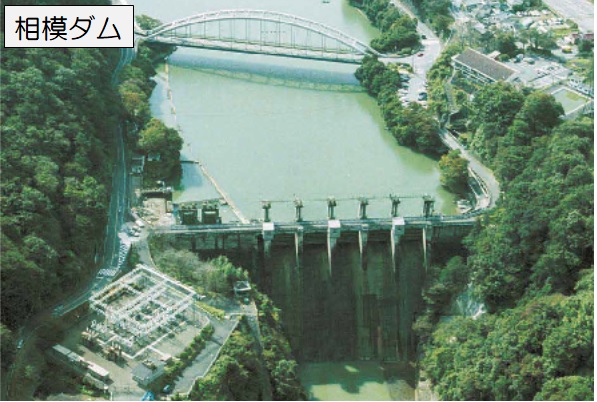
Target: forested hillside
{"x": 59, "y": 114}
{"x": 530, "y": 260}
{"x": 398, "y": 31}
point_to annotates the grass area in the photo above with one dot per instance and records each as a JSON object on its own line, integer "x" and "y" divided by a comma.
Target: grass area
{"x": 216, "y": 312}
{"x": 570, "y": 100}
{"x": 561, "y": 32}
{"x": 579, "y": 65}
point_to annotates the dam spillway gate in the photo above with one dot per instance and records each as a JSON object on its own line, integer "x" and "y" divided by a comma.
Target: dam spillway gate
{"x": 347, "y": 289}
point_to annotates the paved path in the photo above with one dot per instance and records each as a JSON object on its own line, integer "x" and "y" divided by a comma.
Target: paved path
{"x": 484, "y": 176}
{"x": 580, "y": 11}
{"x": 431, "y": 50}
{"x": 203, "y": 362}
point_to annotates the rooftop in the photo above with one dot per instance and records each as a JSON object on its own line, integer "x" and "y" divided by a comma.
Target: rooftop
{"x": 147, "y": 369}
{"x": 485, "y": 65}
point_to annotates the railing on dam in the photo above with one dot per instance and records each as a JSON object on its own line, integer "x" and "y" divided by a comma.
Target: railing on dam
{"x": 323, "y": 225}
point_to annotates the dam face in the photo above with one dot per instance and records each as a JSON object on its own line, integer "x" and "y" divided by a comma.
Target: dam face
{"x": 355, "y": 301}
{"x": 348, "y": 312}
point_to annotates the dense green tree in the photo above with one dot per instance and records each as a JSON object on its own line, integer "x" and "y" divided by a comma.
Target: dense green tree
{"x": 493, "y": 110}
{"x": 454, "y": 172}
{"x": 146, "y": 22}
{"x": 402, "y": 33}
{"x": 504, "y": 357}
{"x": 570, "y": 388}
{"x": 530, "y": 259}
{"x": 541, "y": 112}
{"x": 539, "y": 40}
{"x": 375, "y": 76}
{"x": 417, "y": 128}
{"x": 164, "y": 142}
{"x": 58, "y": 114}
{"x": 216, "y": 276}
{"x": 7, "y": 346}
{"x": 284, "y": 378}
{"x": 437, "y": 13}
{"x": 398, "y": 31}
{"x": 135, "y": 102}
{"x": 506, "y": 43}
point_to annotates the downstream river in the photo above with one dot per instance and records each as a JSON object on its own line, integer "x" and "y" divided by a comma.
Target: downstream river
{"x": 269, "y": 128}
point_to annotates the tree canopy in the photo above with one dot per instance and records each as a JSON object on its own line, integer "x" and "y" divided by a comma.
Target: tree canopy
{"x": 412, "y": 126}
{"x": 530, "y": 260}
{"x": 59, "y": 116}
{"x": 398, "y": 30}
{"x": 454, "y": 172}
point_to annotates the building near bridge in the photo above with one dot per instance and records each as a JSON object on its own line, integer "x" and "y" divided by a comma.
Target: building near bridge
{"x": 482, "y": 69}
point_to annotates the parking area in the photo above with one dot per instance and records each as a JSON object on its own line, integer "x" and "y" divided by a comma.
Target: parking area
{"x": 414, "y": 89}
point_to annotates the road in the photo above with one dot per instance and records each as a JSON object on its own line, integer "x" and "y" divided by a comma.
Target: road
{"x": 423, "y": 60}
{"x": 432, "y": 48}
{"x": 111, "y": 255}
{"x": 579, "y": 11}
{"x": 484, "y": 175}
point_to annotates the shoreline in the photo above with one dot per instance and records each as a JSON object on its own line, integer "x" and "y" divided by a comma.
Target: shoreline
{"x": 201, "y": 165}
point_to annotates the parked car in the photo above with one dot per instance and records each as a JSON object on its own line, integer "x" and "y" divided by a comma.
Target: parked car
{"x": 167, "y": 389}
{"x": 420, "y": 55}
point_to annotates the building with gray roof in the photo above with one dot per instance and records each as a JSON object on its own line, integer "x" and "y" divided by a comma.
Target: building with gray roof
{"x": 481, "y": 68}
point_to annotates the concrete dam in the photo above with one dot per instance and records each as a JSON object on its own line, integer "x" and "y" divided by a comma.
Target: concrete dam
{"x": 347, "y": 289}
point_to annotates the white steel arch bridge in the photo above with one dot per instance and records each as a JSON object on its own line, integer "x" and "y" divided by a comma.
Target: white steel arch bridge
{"x": 261, "y": 32}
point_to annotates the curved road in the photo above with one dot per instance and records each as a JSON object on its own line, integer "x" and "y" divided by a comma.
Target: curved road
{"x": 110, "y": 255}
{"x": 432, "y": 48}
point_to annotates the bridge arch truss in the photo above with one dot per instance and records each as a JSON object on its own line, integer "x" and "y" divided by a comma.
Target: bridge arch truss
{"x": 261, "y": 32}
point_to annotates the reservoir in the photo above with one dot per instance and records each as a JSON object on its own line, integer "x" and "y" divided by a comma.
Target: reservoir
{"x": 269, "y": 128}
